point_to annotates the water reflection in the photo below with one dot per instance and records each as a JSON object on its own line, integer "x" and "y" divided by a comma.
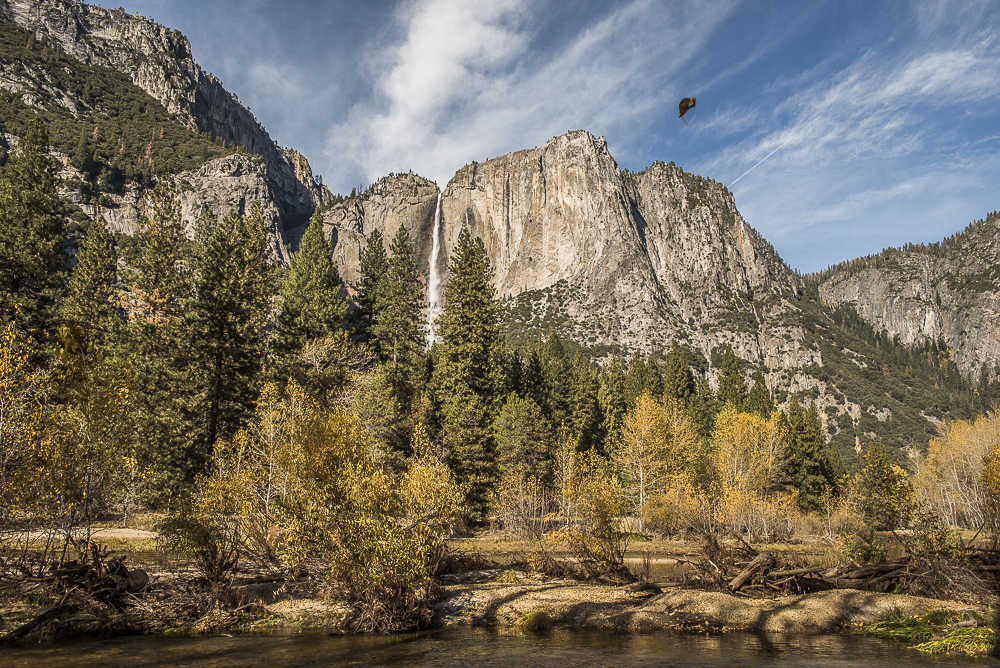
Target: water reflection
{"x": 486, "y": 648}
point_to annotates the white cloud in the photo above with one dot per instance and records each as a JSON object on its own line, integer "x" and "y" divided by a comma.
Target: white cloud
{"x": 471, "y": 82}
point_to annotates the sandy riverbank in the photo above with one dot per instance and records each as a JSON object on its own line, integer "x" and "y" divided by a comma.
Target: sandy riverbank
{"x": 479, "y": 599}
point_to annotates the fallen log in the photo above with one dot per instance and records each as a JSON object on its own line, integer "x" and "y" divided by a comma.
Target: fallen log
{"x": 762, "y": 561}
{"x": 36, "y": 621}
{"x": 876, "y": 569}
{"x": 797, "y": 571}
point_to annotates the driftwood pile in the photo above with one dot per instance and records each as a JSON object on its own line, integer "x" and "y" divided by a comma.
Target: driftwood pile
{"x": 96, "y": 589}
{"x": 972, "y": 575}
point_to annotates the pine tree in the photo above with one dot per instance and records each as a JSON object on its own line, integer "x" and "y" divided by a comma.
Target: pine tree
{"x": 653, "y": 382}
{"x": 533, "y": 381}
{"x": 556, "y": 368}
{"x": 226, "y": 325}
{"x": 466, "y": 381}
{"x": 611, "y": 397}
{"x": 311, "y": 307}
{"x": 635, "y": 380}
{"x": 759, "y": 400}
{"x": 678, "y": 381}
{"x": 585, "y": 411}
{"x": 515, "y": 372}
{"x": 524, "y": 439}
{"x": 90, "y": 296}
{"x": 807, "y": 466}
{"x": 397, "y": 331}
{"x": 153, "y": 290}
{"x": 32, "y": 233}
{"x": 732, "y": 384}
{"x": 703, "y": 407}
{"x": 374, "y": 268}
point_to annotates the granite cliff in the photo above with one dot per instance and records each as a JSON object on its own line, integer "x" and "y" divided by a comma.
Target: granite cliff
{"x": 159, "y": 60}
{"x": 947, "y": 291}
{"x": 602, "y": 255}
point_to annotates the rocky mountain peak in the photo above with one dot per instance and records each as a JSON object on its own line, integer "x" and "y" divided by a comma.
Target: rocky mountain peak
{"x": 159, "y": 60}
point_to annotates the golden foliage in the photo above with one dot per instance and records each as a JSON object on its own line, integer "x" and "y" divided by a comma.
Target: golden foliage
{"x": 62, "y": 464}
{"x": 300, "y": 487}
{"x": 657, "y": 443}
{"x": 21, "y": 401}
{"x": 748, "y": 451}
{"x": 950, "y": 478}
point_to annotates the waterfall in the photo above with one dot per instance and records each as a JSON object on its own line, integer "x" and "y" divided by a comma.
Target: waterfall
{"x": 434, "y": 278}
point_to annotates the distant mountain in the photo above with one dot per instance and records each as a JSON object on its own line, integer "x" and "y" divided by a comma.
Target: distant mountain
{"x": 66, "y": 68}
{"x": 947, "y": 291}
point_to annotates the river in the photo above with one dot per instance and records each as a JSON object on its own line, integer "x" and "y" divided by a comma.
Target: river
{"x": 481, "y": 647}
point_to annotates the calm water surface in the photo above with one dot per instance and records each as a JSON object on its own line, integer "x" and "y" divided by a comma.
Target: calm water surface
{"x": 476, "y": 647}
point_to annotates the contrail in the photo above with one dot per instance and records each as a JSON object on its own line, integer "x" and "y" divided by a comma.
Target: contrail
{"x": 770, "y": 154}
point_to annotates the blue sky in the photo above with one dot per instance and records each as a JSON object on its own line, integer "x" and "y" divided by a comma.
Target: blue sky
{"x": 842, "y": 127}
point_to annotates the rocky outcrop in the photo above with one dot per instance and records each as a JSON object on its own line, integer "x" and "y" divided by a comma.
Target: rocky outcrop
{"x": 216, "y": 188}
{"x": 403, "y": 200}
{"x": 949, "y": 291}
{"x": 159, "y": 60}
{"x": 643, "y": 255}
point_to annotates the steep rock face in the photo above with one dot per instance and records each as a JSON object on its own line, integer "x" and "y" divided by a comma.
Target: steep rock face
{"x": 159, "y": 60}
{"x": 218, "y": 186}
{"x": 401, "y": 200}
{"x": 949, "y": 290}
{"x": 603, "y": 256}
{"x": 643, "y": 255}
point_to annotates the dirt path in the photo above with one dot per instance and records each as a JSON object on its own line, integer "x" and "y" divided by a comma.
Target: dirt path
{"x": 614, "y": 609}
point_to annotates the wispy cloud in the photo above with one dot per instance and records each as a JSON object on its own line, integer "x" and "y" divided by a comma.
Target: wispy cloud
{"x": 469, "y": 83}
{"x": 841, "y": 146}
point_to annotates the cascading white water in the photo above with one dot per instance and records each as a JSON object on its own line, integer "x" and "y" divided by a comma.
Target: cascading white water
{"x": 434, "y": 278}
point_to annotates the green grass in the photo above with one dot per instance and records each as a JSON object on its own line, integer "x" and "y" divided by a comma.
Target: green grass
{"x": 933, "y": 633}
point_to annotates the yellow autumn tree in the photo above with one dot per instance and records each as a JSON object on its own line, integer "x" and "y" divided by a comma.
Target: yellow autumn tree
{"x": 21, "y": 402}
{"x": 88, "y": 445}
{"x": 748, "y": 454}
{"x": 657, "y": 443}
{"x": 301, "y": 488}
{"x": 950, "y": 477}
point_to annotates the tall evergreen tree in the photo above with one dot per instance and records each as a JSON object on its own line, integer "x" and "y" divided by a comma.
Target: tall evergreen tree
{"x": 515, "y": 373}
{"x": 533, "y": 381}
{"x": 311, "y": 307}
{"x": 654, "y": 378}
{"x": 703, "y": 407}
{"x": 465, "y": 378}
{"x": 226, "y": 325}
{"x": 153, "y": 291}
{"x": 90, "y": 296}
{"x": 759, "y": 400}
{"x": 398, "y": 328}
{"x": 32, "y": 233}
{"x": 557, "y": 370}
{"x": 611, "y": 397}
{"x": 374, "y": 268}
{"x": 807, "y": 467}
{"x": 524, "y": 439}
{"x": 635, "y": 380}
{"x": 678, "y": 381}
{"x": 732, "y": 384}
{"x": 585, "y": 409}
